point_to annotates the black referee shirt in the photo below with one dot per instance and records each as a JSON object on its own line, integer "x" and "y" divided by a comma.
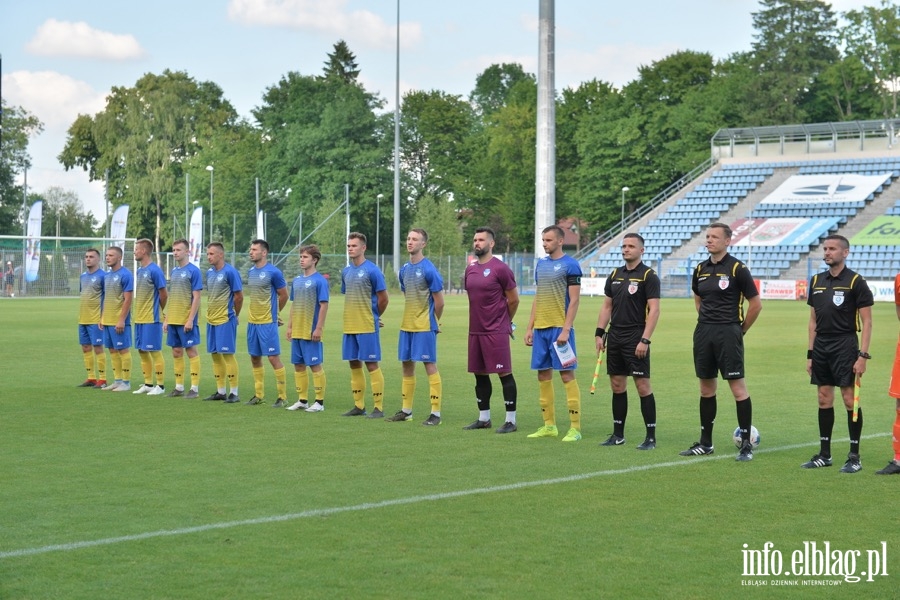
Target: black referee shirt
{"x": 629, "y": 291}
{"x": 837, "y": 300}
{"x": 722, "y": 287}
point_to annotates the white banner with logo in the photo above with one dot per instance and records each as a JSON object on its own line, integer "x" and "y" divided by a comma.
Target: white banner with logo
{"x": 196, "y": 235}
{"x": 118, "y": 226}
{"x": 260, "y": 225}
{"x": 33, "y": 241}
{"x": 817, "y": 189}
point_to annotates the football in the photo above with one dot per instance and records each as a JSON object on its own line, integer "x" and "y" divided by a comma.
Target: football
{"x": 754, "y": 437}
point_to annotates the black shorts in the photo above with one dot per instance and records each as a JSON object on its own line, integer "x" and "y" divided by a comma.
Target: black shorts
{"x": 718, "y": 348}
{"x": 620, "y": 358}
{"x": 833, "y": 359}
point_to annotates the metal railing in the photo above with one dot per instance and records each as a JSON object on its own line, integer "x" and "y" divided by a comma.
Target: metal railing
{"x": 643, "y": 210}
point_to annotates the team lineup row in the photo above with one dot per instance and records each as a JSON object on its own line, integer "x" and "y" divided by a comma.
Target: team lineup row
{"x": 839, "y": 298}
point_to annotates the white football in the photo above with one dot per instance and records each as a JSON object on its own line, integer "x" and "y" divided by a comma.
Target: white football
{"x": 754, "y": 437}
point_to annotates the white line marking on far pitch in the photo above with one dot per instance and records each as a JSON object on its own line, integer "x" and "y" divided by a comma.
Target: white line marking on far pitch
{"x": 323, "y": 512}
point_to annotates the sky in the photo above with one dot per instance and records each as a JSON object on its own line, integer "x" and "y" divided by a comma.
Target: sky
{"x": 61, "y": 58}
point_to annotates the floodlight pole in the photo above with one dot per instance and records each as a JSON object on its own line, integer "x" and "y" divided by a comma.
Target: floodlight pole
{"x": 210, "y": 169}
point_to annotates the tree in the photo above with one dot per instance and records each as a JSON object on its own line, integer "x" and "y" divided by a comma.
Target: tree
{"x": 575, "y": 108}
{"x": 18, "y": 126}
{"x": 434, "y": 130}
{"x": 795, "y": 42}
{"x": 494, "y": 85}
{"x": 872, "y": 36}
{"x": 508, "y": 165}
{"x": 341, "y": 64}
{"x": 439, "y": 217}
{"x": 64, "y": 205}
{"x": 847, "y": 91}
{"x": 144, "y": 138}
{"x": 320, "y": 133}
{"x": 235, "y": 153}
{"x": 331, "y": 233}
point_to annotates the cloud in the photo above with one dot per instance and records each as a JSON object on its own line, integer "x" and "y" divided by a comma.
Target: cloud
{"x": 614, "y": 64}
{"x": 329, "y": 17}
{"x": 80, "y": 40}
{"x": 54, "y": 98}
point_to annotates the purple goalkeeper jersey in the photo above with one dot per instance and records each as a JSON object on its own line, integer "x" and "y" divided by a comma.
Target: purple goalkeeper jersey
{"x": 486, "y": 284}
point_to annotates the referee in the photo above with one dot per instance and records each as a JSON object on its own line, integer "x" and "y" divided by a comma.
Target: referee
{"x": 841, "y": 304}
{"x": 631, "y": 310}
{"x": 720, "y": 285}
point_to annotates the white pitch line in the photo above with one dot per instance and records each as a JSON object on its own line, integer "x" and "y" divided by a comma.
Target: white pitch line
{"x": 322, "y": 512}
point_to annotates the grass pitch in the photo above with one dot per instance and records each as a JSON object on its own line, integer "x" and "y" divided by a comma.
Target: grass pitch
{"x": 153, "y": 497}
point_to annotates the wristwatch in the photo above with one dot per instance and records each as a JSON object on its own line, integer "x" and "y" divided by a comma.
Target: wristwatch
{"x": 865, "y": 355}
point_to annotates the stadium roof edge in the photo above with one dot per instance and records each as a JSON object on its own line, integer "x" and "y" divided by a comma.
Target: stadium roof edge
{"x": 773, "y": 141}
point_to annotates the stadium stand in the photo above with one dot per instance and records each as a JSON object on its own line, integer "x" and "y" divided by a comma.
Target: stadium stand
{"x": 732, "y": 193}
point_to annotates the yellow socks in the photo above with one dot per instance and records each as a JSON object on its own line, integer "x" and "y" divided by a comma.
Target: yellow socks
{"x": 377, "y": 378}
{"x": 548, "y": 412}
{"x": 218, "y": 361}
{"x": 125, "y": 357}
{"x": 146, "y": 367}
{"x": 101, "y": 366}
{"x": 159, "y": 367}
{"x": 358, "y": 387}
{"x": 89, "y": 363}
{"x": 573, "y": 399}
{"x": 117, "y": 365}
{"x": 301, "y": 383}
{"x": 179, "y": 365}
{"x": 319, "y": 384}
{"x": 259, "y": 382}
{"x": 232, "y": 371}
{"x": 194, "y": 363}
{"x": 408, "y": 393}
{"x": 435, "y": 390}
{"x": 281, "y": 383}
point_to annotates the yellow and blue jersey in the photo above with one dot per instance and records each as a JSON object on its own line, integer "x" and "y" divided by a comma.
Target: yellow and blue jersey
{"x": 551, "y": 299}
{"x": 183, "y": 283}
{"x": 262, "y": 288}
{"x": 361, "y": 285}
{"x": 115, "y": 285}
{"x": 307, "y": 292}
{"x": 90, "y": 287}
{"x": 147, "y": 283}
{"x": 221, "y": 286}
{"x": 419, "y": 282}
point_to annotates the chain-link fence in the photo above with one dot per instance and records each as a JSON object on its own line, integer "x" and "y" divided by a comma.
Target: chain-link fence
{"x": 59, "y": 262}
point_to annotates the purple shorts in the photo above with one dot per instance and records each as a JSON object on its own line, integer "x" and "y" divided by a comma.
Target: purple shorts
{"x": 490, "y": 353}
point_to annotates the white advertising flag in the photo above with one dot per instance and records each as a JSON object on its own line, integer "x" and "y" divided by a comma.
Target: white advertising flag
{"x": 119, "y": 226}
{"x": 196, "y": 235}
{"x": 260, "y": 225}
{"x": 33, "y": 242}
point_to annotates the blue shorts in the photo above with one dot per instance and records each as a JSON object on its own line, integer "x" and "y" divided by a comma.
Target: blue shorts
{"x": 306, "y": 352}
{"x": 543, "y": 356}
{"x": 90, "y": 335}
{"x": 222, "y": 339}
{"x": 362, "y": 346}
{"x": 419, "y": 346}
{"x": 116, "y": 341}
{"x": 177, "y": 337}
{"x": 262, "y": 339}
{"x": 148, "y": 337}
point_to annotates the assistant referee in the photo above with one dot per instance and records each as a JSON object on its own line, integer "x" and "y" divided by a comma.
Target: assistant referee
{"x": 631, "y": 310}
{"x": 840, "y": 305}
